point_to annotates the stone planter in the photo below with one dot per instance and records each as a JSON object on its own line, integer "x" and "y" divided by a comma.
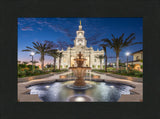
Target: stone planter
{"x": 125, "y": 77}
{"x": 96, "y": 76}
{"x": 63, "y": 77}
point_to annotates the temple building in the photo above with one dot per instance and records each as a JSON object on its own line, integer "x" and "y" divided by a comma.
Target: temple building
{"x": 80, "y": 45}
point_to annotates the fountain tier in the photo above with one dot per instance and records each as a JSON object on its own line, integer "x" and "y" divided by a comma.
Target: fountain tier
{"x": 80, "y": 72}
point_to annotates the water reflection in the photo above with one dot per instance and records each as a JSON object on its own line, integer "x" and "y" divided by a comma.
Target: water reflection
{"x": 101, "y": 92}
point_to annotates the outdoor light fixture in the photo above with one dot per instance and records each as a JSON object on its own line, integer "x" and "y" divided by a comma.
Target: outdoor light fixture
{"x": 32, "y": 54}
{"x": 79, "y": 99}
{"x": 127, "y": 54}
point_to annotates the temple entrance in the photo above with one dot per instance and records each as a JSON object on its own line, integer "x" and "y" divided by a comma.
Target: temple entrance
{"x": 73, "y": 64}
{"x": 86, "y": 64}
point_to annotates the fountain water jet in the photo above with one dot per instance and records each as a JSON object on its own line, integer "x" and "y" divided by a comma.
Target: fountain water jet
{"x": 80, "y": 72}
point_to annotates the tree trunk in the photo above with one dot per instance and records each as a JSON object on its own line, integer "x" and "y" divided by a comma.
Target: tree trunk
{"x": 117, "y": 61}
{"x": 42, "y": 61}
{"x": 100, "y": 63}
{"x": 105, "y": 62}
{"x": 54, "y": 63}
{"x": 59, "y": 63}
{"x": 105, "y": 57}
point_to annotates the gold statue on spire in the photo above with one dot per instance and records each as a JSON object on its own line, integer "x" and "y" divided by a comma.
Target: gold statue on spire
{"x": 80, "y": 22}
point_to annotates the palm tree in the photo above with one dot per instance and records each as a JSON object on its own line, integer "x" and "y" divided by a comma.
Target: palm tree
{"x": 100, "y": 57}
{"x": 40, "y": 48}
{"x": 54, "y": 54}
{"x": 25, "y": 63}
{"x": 119, "y": 43}
{"x": 60, "y": 55}
{"x": 105, "y": 54}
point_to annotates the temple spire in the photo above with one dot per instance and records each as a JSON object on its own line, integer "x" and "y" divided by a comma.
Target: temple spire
{"x": 80, "y": 26}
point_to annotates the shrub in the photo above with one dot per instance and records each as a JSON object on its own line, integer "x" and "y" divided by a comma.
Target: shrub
{"x": 21, "y": 73}
{"x": 103, "y": 66}
{"x": 36, "y": 67}
{"x": 111, "y": 69}
{"x": 131, "y": 65}
{"x": 19, "y": 68}
{"x": 29, "y": 73}
{"x": 36, "y": 72}
{"x": 141, "y": 66}
{"x": 26, "y": 69}
{"x": 22, "y": 65}
{"x": 30, "y": 67}
{"x": 139, "y": 74}
{"x": 121, "y": 71}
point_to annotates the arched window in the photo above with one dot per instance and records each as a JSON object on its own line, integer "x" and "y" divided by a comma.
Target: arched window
{"x": 137, "y": 58}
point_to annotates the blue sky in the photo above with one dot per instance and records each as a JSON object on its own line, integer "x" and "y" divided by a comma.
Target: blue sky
{"x": 64, "y": 30}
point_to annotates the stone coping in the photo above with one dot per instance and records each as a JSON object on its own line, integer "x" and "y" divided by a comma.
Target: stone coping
{"x": 136, "y": 79}
{"x": 136, "y": 93}
{"x": 25, "y": 79}
{"x": 136, "y": 96}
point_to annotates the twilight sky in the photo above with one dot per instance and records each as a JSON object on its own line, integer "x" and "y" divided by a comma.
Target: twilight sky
{"x": 63, "y": 31}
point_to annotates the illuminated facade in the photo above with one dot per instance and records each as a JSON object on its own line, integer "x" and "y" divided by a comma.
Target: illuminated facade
{"x": 80, "y": 45}
{"x": 137, "y": 60}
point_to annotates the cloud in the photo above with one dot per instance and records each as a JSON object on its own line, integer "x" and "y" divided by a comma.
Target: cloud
{"x": 39, "y": 29}
{"x": 57, "y": 25}
{"x": 94, "y": 40}
{"x": 58, "y": 28}
{"x": 27, "y": 28}
{"x": 61, "y": 44}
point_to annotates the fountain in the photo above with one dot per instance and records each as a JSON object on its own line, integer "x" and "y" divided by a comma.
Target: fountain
{"x": 80, "y": 90}
{"x": 79, "y": 72}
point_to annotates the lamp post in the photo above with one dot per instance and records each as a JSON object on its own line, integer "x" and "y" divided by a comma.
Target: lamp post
{"x": 89, "y": 57}
{"x": 127, "y": 54}
{"x": 32, "y": 54}
{"x": 70, "y": 56}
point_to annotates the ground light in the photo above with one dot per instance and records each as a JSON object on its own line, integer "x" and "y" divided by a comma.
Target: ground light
{"x": 79, "y": 99}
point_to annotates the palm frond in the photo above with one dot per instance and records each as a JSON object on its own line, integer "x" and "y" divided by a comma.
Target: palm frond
{"x": 113, "y": 36}
{"x": 26, "y": 50}
{"x": 131, "y": 35}
{"x": 127, "y": 43}
{"x": 135, "y": 43}
{"x": 108, "y": 42}
{"x": 29, "y": 48}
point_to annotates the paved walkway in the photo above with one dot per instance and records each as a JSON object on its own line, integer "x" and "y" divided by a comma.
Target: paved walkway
{"x": 137, "y": 92}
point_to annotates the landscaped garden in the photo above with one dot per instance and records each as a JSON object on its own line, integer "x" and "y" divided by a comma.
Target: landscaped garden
{"x": 25, "y": 70}
{"x": 130, "y": 72}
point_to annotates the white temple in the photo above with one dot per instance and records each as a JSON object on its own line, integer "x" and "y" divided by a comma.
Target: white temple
{"x": 80, "y": 45}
